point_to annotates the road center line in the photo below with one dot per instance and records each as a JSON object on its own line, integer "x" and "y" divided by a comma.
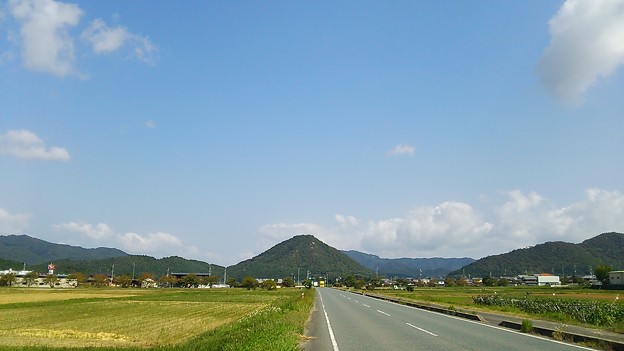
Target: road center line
{"x": 331, "y": 331}
{"x": 382, "y": 312}
{"x": 365, "y": 305}
{"x": 421, "y": 329}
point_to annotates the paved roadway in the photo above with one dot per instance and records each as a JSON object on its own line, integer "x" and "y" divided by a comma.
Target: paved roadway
{"x": 344, "y": 321}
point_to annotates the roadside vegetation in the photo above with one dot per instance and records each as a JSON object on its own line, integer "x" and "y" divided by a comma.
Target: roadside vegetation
{"x": 159, "y": 319}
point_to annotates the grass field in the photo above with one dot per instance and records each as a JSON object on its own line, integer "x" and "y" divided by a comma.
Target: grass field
{"x": 176, "y": 319}
{"x": 461, "y": 297}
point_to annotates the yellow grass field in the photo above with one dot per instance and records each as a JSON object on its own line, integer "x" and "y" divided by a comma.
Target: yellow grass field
{"x": 120, "y": 317}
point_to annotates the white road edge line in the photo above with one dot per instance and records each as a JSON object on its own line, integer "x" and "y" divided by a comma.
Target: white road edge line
{"x": 382, "y": 312}
{"x": 331, "y": 331}
{"x": 421, "y": 329}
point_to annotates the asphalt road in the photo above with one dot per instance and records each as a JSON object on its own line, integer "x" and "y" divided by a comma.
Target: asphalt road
{"x": 345, "y": 321}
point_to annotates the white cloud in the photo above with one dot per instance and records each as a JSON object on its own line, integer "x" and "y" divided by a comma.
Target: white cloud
{"x": 26, "y": 144}
{"x": 98, "y": 232}
{"x": 151, "y": 242}
{"x": 13, "y": 223}
{"x": 587, "y": 43}
{"x": 150, "y": 124}
{"x": 157, "y": 243}
{"x": 45, "y": 41}
{"x": 456, "y": 229}
{"x": 402, "y": 149}
{"x": 105, "y": 39}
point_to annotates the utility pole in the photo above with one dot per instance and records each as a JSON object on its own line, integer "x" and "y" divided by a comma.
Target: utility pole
{"x": 112, "y": 273}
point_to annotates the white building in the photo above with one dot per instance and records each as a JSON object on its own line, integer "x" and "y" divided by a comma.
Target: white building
{"x": 616, "y": 278}
{"x": 548, "y": 279}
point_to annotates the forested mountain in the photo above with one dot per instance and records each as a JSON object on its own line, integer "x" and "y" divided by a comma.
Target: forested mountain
{"x": 6, "y": 264}
{"x": 29, "y": 250}
{"x": 552, "y": 257}
{"x": 409, "y": 267}
{"x": 126, "y": 265}
{"x": 301, "y": 253}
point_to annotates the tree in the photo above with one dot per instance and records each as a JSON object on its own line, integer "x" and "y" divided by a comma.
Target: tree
{"x": 489, "y": 281}
{"x": 211, "y": 280}
{"x": 269, "y": 284}
{"x": 248, "y": 282}
{"x": 9, "y": 279}
{"x": 31, "y": 277}
{"x": 449, "y": 282}
{"x": 232, "y": 282}
{"x": 51, "y": 279}
{"x": 307, "y": 283}
{"x": 100, "y": 280}
{"x": 503, "y": 282}
{"x": 288, "y": 282}
{"x": 123, "y": 280}
{"x": 80, "y": 278}
{"x": 191, "y": 280}
{"x": 602, "y": 273}
{"x": 168, "y": 280}
{"x": 349, "y": 281}
{"x": 374, "y": 282}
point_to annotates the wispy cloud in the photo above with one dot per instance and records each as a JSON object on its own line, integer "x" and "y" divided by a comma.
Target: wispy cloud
{"x": 150, "y": 124}
{"x": 26, "y": 144}
{"x": 13, "y": 223}
{"x": 402, "y": 149}
{"x": 587, "y": 43}
{"x": 456, "y": 229}
{"x": 105, "y": 39}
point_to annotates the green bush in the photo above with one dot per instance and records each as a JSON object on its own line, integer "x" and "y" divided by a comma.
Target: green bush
{"x": 527, "y": 326}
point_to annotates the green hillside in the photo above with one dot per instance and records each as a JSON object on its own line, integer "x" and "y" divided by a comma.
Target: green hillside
{"x": 409, "y": 267}
{"x": 127, "y": 264}
{"x": 6, "y": 264}
{"x": 301, "y": 253}
{"x": 552, "y": 257}
{"x": 29, "y": 250}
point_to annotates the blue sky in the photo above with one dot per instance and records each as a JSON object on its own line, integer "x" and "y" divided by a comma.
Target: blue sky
{"x": 214, "y": 130}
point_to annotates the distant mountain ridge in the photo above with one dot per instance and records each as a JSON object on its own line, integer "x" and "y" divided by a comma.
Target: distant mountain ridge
{"x": 133, "y": 265}
{"x": 301, "y": 253}
{"x": 17, "y": 250}
{"x": 409, "y": 267}
{"x": 29, "y": 250}
{"x": 556, "y": 257}
{"x": 305, "y": 253}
